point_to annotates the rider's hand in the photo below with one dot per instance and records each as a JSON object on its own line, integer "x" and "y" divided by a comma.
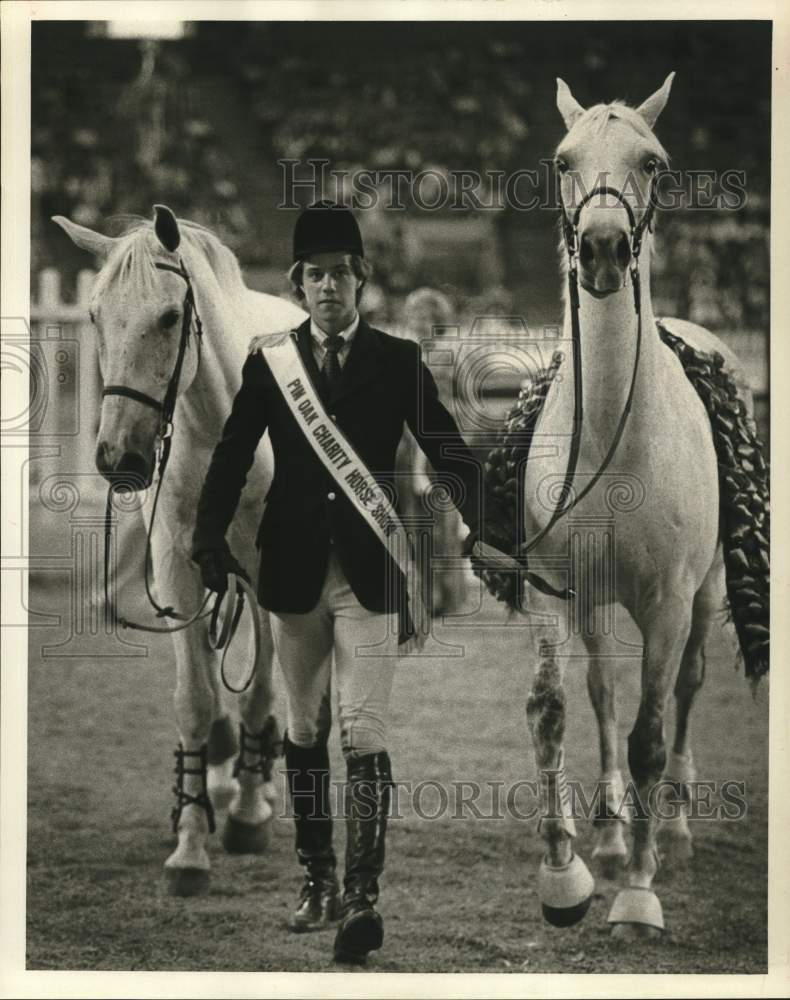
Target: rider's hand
{"x": 215, "y": 564}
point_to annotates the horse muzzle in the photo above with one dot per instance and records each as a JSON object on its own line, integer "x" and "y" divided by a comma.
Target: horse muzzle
{"x": 129, "y": 473}
{"x": 604, "y": 256}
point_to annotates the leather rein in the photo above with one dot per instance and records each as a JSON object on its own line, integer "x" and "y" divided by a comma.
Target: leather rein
{"x": 568, "y": 498}
{"x": 220, "y": 635}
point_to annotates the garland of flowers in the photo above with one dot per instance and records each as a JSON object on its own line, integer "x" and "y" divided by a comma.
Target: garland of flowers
{"x": 744, "y": 504}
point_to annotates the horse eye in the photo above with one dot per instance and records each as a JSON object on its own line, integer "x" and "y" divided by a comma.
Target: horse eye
{"x": 168, "y": 318}
{"x": 650, "y": 165}
{"x": 561, "y": 165}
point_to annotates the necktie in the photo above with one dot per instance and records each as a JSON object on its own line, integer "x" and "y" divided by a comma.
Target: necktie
{"x": 331, "y": 368}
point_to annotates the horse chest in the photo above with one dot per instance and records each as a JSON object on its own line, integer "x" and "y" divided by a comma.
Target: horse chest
{"x": 656, "y": 492}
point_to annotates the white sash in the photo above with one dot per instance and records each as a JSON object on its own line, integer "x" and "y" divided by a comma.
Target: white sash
{"x": 348, "y": 470}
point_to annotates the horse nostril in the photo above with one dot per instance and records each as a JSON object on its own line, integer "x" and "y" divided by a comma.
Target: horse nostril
{"x": 133, "y": 467}
{"x": 103, "y": 457}
{"x": 586, "y": 251}
{"x": 130, "y": 474}
{"x": 606, "y": 247}
{"x": 623, "y": 251}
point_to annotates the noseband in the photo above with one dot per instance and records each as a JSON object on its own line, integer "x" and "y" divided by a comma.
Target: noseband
{"x": 570, "y": 231}
{"x": 570, "y": 224}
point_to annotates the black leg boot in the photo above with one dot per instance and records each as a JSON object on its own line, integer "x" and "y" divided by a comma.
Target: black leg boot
{"x": 308, "y": 783}
{"x": 367, "y": 805}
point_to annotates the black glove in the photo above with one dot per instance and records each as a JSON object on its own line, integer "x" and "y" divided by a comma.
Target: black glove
{"x": 215, "y": 564}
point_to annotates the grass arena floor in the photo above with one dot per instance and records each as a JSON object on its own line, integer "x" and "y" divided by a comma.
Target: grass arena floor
{"x": 458, "y": 894}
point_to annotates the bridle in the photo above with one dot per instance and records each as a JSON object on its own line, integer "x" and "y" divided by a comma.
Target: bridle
{"x": 167, "y": 406}
{"x": 237, "y": 587}
{"x": 570, "y": 231}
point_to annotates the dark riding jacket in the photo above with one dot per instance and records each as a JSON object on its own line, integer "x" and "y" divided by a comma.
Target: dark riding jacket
{"x": 384, "y": 384}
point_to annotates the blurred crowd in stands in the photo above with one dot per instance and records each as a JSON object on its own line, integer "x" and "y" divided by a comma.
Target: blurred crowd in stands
{"x": 200, "y": 123}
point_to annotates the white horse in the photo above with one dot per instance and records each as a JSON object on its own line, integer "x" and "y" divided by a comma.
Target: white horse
{"x": 668, "y": 569}
{"x": 137, "y": 310}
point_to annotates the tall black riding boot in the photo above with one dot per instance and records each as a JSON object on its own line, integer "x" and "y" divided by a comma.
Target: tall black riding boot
{"x": 308, "y": 783}
{"x": 367, "y": 804}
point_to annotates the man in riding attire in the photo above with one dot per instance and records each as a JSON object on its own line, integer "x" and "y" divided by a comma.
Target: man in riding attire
{"x": 330, "y": 583}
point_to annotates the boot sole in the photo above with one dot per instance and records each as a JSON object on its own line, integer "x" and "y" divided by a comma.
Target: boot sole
{"x": 359, "y": 934}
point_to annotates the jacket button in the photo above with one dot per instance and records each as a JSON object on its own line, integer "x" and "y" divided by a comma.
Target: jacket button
{"x": 330, "y": 496}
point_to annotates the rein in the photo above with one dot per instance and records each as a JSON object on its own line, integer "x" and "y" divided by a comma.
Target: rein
{"x": 237, "y": 587}
{"x": 567, "y": 498}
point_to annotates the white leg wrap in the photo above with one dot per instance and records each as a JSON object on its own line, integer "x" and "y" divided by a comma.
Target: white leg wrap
{"x": 564, "y": 887}
{"x": 637, "y": 906}
{"x": 565, "y": 892}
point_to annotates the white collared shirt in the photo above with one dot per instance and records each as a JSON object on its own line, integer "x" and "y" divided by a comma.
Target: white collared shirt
{"x": 318, "y": 337}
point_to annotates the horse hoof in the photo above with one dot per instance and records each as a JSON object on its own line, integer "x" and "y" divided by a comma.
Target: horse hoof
{"x": 636, "y": 914}
{"x": 186, "y": 881}
{"x": 629, "y": 933}
{"x": 565, "y": 893}
{"x": 239, "y": 837}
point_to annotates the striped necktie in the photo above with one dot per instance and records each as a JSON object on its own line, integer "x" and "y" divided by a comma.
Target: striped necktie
{"x": 331, "y": 369}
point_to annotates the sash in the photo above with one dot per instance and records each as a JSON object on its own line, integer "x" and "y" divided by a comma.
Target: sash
{"x": 348, "y": 471}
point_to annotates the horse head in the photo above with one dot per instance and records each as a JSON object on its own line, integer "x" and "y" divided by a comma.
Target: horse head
{"x": 137, "y": 310}
{"x": 608, "y": 163}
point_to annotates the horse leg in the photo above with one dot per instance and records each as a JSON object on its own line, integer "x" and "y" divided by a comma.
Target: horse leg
{"x": 187, "y": 868}
{"x": 248, "y": 825}
{"x": 610, "y": 850}
{"x": 565, "y": 886}
{"x": 223, "y": 746}
{"x": 636, "y": 912}
{"x": 679, "y": 768}
{"x": 177, "y": 583}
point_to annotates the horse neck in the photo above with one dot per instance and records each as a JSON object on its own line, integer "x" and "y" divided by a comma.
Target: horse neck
{"x": 608, "y": 345}
{"x": 207, "y": 400}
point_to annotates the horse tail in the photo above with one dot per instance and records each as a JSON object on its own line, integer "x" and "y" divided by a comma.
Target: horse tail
{"x": 744, "y": 506}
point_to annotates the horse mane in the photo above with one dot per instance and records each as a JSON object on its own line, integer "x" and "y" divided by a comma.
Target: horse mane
{"x": 139, "y": 249}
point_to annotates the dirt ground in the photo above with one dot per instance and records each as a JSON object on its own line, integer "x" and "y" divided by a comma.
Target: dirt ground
{"x": 459, "y": 893}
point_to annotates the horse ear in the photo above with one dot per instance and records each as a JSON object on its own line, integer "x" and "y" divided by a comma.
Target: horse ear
{"x": 654, "y": 105}
{"x": 569, "y": 107}
{"x": 86, "y": 239}
{"x": 166, "y": 228}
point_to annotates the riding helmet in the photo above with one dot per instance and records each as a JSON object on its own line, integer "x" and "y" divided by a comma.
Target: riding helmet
{"x": 326, "y": 227}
